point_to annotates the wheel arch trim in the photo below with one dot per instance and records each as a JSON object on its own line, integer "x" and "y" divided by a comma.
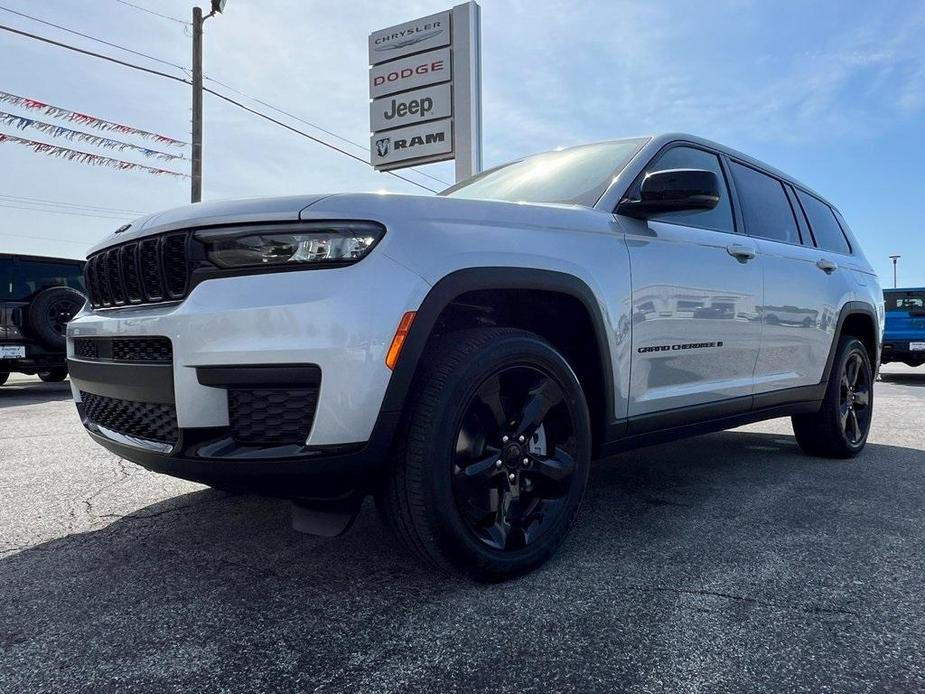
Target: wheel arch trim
{"x": 852, "y": 308}
{"x": 460, "y": 282}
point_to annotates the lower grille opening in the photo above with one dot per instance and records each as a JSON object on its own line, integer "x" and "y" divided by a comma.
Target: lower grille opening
{"x": 272, "y": 415}
{"x": 145, "y": 420}
{"x": 152, "y": 349}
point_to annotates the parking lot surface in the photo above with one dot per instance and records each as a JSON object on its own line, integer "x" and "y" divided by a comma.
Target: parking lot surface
{"x": 729, "y": 562}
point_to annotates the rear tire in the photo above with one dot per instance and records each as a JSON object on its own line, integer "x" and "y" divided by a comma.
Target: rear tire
{"x": 446, "y": 497}
{"x": 840, "y": 428}
{"x": 53, "y": 375}
{"x": 4, "y": 375}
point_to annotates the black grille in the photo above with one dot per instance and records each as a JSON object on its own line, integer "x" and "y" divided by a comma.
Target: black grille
{"x": 130, "y": 277}
{"x": 145, "y": 420}
{"x": 151, "y": 270}
{"x": 151, "y": 350}
{"x": 272, "y": 415}
{"x": 85, "y": 348}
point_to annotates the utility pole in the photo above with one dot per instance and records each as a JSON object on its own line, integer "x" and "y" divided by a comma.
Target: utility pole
{"x": 894, "y": 258}
{"x": 196, "y": 165}
{"x": 196, "y": 173}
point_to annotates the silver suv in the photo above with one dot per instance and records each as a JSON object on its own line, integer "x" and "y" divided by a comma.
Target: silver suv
{"x": 464, "y": 357}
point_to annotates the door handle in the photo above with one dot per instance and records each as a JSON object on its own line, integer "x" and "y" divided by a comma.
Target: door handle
{"x": 741, "y": 253}
{"x": 827, "y": 266}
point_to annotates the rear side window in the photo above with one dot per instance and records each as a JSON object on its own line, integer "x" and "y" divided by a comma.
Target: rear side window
{"x": 720, "y": 217}
{"x": 826, "y": 230}
{"x": 767, "y": 211}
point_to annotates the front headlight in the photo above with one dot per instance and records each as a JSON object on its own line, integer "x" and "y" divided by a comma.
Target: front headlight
{"x": 309, "y": 243}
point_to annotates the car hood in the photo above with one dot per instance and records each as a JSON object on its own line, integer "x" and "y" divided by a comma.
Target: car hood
{"x": 274, "y": 209}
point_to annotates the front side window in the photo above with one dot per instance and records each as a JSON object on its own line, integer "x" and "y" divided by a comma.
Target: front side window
{"x": 573, "y": 176}
{"x": 765, "y": 207}
{"x": 826, "y": 230}
{"x": 720, "y": 217}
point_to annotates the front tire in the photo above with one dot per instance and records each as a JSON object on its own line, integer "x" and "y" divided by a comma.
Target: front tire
{"x": 53, "y": 375}
{"x": 840, "y": 428}
{"x": 493, "y": 456}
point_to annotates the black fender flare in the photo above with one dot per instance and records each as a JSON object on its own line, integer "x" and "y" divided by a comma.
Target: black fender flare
{"x": 851, "y": 308}
{"x": 467, "y": 280}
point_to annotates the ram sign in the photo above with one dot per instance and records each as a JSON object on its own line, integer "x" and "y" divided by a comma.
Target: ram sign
{"x": 425, "y": 92}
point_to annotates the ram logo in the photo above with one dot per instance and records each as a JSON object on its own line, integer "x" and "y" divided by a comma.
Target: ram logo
{"x": 382, "y": 146}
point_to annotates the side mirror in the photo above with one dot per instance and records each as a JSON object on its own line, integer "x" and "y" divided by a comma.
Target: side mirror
{"x": 673, "y": 190}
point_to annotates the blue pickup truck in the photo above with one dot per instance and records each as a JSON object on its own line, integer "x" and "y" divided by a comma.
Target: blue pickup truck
{"x": 904, "y": 330}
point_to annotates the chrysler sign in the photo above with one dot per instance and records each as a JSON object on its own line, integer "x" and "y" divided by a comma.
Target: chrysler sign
{"x": 411, "y": 37}
{"x": 425, "y": 92}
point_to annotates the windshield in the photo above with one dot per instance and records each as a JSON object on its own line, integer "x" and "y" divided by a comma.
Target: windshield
{"x": 21, "y": 278}
{"x": 911, "y": 301}
{"x": 573, "y": 176}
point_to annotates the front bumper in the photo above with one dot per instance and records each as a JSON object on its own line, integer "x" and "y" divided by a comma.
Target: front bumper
{"x": 338, "y": 322}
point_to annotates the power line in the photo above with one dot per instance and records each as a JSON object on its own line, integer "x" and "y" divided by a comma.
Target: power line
{"x": 92, "y": 53}
{"x": 61, "y": 203}
{"x": 211, "y": 91}
{"x": 313, "y": 125}
{"x": 223, "y": 84}
{"x": 156, "y": 14}
{"x": 305, "y": 134}
{"x": 64, "y": 212}
{"x": 93, "y": 38}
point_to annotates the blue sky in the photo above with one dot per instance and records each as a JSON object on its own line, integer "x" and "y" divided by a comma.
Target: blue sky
{"x": 833, "y": 92}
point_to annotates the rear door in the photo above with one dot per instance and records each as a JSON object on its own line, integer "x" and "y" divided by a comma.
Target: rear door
{"x": 805, "y": 285}
{"x": 696, "y": 284}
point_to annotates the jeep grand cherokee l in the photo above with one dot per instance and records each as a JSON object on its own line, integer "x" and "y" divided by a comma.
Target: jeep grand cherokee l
{"x": 464, "y": 357}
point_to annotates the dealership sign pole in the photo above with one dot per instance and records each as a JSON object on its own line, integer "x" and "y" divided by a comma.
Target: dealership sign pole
{"x": 425, "y": 90}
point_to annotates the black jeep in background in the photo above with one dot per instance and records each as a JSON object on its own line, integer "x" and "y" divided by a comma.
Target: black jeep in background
{"x": 38, "y": 296}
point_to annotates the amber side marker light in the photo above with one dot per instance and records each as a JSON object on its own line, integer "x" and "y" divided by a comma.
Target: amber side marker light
{"x": 401, "y": 334}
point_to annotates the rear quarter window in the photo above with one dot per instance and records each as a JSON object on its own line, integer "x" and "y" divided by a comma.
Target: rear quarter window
{"x": 825, "y": 227}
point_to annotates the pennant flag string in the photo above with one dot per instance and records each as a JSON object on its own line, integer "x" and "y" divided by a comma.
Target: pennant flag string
{"x": 21, "y": 122}
{"x": 87, "y": 157}
{"x": 84, "y": 119}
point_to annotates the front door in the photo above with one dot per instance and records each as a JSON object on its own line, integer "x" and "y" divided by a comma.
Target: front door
{"x": 696, "y": 288}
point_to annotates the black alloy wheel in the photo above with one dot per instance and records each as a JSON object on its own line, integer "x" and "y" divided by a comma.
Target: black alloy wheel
{"x": 514, "y": 459}
{"x": 840, "y": 427}
{"x": 493, "y": 455}
{"x": 854, "y": 399}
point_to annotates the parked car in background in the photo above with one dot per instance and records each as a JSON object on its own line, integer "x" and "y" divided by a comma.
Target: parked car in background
{"x": 38, "y": 296}
{"x": 904, "y": 332}
{"x": 464, "y": 357}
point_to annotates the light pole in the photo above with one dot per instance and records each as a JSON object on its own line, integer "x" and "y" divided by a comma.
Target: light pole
{"x": 196, "y": 165}
{"x": 894, "y": 258}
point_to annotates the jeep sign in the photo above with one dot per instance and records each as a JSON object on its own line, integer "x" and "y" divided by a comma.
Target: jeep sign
{"x": 425, "y": 92}
{"x": 410, "y": 73}
{"x": 406, "y": 108}
{"x": 428, "y": 141}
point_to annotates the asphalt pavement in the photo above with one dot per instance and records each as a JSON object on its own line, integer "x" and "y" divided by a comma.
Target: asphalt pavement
{"x": 730, "y": 562}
